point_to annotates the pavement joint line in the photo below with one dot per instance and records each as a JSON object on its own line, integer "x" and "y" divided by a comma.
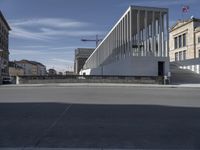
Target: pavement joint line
{"x": 33, "y": 148}
{"x": 52, "y": 125}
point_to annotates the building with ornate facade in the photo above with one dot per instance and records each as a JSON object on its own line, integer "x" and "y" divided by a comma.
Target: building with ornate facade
{"x": 184, "y": 44}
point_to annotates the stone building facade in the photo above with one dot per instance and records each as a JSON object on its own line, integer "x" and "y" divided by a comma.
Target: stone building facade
{"x": 81, "y": 55}
{"x": 4, "y": 49}
{"x": 32, "y": 68}
{"x": 15, "y": 70}
{"x": 184, "y": 44}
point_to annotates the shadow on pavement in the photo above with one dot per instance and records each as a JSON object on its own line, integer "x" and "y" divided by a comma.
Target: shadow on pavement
{"x": 55, "y": 125}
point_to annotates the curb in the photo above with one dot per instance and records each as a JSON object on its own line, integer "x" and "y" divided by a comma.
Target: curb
{"x": 105, "y": 85}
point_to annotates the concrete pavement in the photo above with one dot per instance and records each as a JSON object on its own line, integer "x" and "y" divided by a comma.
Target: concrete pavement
{"x": 186, "y": 97}
{"x": 99, "y": 117}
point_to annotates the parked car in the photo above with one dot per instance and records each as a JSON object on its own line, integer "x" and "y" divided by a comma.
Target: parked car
{"x": 7, "y": 80}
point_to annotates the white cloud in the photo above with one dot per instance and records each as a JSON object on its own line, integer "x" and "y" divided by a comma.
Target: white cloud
{"x": 59, "y": 64}
{"x": 34, "y": 46}
{"x": 45, "y": 47}
{"x": 24, "y": 52}
{"x": 64, "y": 48}
{"x": 18, "y": 32}
{"x": 49, "y": 22}
{"x": 62, "y": 60}
{"x": 71, "y": 33}
{"x": 39, "y": 52}
{"x": 46, "y": 29}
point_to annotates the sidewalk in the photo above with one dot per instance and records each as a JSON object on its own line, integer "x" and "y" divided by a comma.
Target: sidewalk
{"x": 104, "y": 85}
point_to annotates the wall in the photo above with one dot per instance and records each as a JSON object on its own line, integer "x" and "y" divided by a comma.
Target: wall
{"x": 197, "y": 34}
{"x": 4, "y": 32}
{"x": 41, "y": 70}
{"x": 79, "y": 64}
{"x": 87, "y": 79}
{"x": 27, "y": 67}
{"x": 191, "y": 64}
{"x": 131, "y": 66}
{"x": 16, "y": 71}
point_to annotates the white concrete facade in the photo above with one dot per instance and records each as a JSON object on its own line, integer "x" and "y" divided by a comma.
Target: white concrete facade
{"x": 135, "y": 46}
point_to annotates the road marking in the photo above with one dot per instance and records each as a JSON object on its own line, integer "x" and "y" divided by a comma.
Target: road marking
{"x": 38, "y": 140}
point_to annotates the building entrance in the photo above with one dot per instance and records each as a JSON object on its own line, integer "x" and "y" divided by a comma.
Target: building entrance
{"x": 161, "y": 68}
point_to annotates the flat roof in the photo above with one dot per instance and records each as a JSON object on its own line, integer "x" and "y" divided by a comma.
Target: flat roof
{"x": 149, "y": 8}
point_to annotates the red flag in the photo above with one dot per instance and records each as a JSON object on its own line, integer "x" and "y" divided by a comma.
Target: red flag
{"x": 185, "y": 9}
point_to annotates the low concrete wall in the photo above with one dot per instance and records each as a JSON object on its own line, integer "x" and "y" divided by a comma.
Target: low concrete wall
{"x": 88, "y": 79}
{"x": 190, "y": 64}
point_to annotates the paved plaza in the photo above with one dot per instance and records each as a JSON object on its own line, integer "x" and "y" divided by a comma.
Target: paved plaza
{"x": 99, "y": 117}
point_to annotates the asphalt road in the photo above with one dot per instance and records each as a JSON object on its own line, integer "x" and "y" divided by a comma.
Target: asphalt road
{"x": 100, "y": 117}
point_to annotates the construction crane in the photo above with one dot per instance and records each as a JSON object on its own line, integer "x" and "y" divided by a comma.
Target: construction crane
{"x": 92, "y": 40}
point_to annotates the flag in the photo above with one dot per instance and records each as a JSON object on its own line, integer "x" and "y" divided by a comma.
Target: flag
{"x": 185, "y": 9}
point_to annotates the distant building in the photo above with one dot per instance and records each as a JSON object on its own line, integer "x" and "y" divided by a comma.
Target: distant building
{"x": 69, "y": 73}
{"x": 4, "y": 51}
{"x": 15, "y": 70}
{"x": 41, "y": 69}
{"x": 60, "y": 73}
{"x": 52, "y": 72}
{"x": 184, "y": 44}
{"x": 81, "y": 55}
{"x": 32, "y": 67}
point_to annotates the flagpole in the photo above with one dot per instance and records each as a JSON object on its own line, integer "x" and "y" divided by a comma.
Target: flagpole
{"x": 182, "y": 12}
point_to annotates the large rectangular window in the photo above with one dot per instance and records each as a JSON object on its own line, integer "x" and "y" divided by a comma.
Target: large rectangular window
{"x": 176, "y": 56}
{"x": 179, "y": 41}
{"x": 180, "y": 56}
{"x": 175, "y": 43}
{"x": 199, "y": 39}
{"x": 184, "y": 55}
{"x": 199, "y": 53}
{"x": 184, "y": 40}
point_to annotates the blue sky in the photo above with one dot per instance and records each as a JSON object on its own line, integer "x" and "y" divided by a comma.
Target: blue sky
{"x": 48, "y": 31}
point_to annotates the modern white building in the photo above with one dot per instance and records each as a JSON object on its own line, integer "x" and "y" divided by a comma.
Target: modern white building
{"x": 137, "y": 45}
